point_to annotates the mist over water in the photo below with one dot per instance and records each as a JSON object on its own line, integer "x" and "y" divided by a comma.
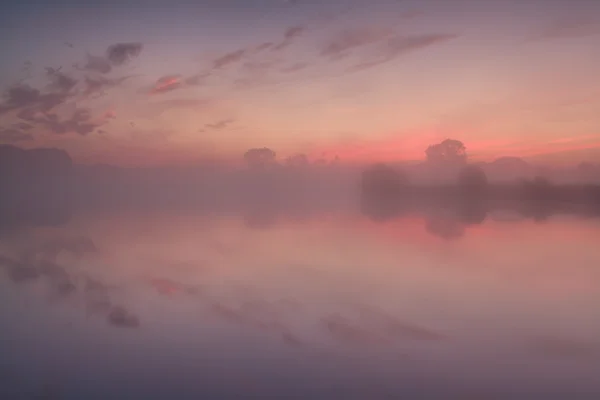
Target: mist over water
{"x": 297, "y": 283}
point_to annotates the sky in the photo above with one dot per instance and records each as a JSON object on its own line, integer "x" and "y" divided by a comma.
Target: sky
{"x": 157, "y": 82}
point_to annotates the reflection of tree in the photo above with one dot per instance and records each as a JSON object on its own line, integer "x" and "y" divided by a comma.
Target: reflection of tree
{"x": 260, "y": 218}
{"x": 472, "y": 180}
{"x": 538, "y": 197}
{"x": 472, "y": 211}
{"x": 383, "y": 180}
{"x": 472, "y": 204}
{"x": 445, "y": 228}
{"x": 383, "y": 191}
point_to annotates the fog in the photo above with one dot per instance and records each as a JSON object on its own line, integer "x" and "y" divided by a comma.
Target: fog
{"x": 45, "y": 186}
{"x": 372, "y": 281}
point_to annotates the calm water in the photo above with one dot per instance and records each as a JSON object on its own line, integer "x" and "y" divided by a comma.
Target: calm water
{"x": 165, "y": 305}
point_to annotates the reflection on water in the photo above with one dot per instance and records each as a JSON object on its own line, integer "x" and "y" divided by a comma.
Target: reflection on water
{"x": 427, "y": 303}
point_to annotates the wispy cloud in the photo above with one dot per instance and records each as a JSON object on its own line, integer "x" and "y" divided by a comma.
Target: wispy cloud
{"x": 262, "y": 47}
{"x": 399, "y": 45}
{"x": 80, "y": 122}
{"x": 166, "y": 84}
{"x": 294, "y": 67}
{"x": 350, "y": 39}
{"x": 121, "y": 53}
{"x": 97, "y": 64}
{"x": 59, "y": 80}
{"x": 569, "y": 27}
{"x": 27, "y": 100}
{"x": 98, "y": 84}
{"x": 115, "y": 55}
{"x": 288, "y": 37}
{"x": 228, "y": 59}
{"x": 217, "y": 125}
{"x": 563, "y": 347}
{"x": 155, "y": 108}
{"x": 221, "y": 124}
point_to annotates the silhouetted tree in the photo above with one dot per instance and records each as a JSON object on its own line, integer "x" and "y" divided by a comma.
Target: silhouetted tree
{"x": 260, "y": 157}
{"x": 448, "y": 152}
{"x": 472, "y": 180}
{"x": 541, "y": 187}
{"x": 382, "y": 181}
{"x": 297, "y": 161}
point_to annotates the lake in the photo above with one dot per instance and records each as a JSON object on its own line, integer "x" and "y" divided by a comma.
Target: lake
{"x": 187, "y": 304}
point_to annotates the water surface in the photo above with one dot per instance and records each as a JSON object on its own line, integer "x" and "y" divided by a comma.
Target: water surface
{"x": 187, "y": 305}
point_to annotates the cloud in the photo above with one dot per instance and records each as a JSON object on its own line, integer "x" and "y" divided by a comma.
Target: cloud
{"x": 294, "y": 67}
{"x": 169, "y": 83}
{"x": 28, "y": 101}
{"x": 19, "y": 96}
{"x": 263, "y": 46}
{"x": 80, "y": 122}
{"x": 228, "y": 59}
{"x": 12, "y": 135}
{"x": 563, "y": 347}
{"x": 97, "y": 64}
{"x": 59, "y": 80}
{"x": 294, "y": 31}
{"x": 166, "y": 84}
{"x": 98, "y": 84}
{"x": 155, "y": 108}
{"x": 569, "y": 27}
{"x": 121, "y": 53}
{"x": 220, "y": 124}
{"x": 344, "y": 330}
{"x": 350, "y": 39}
{"x": 288, "y": 37}
{"x": 257, "y": 315}
{"x": 373, "y": 327}
{"x": 115, "y": 55}
{"x": 36, "y": 107}
{"x": 196, "y": 80}
{"x": 393, "y": 327}
{"x": 399, "y": 45}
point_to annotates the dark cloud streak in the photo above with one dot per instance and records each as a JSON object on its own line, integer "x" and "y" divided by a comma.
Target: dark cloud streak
{"x": 350, "y": 39}
{"x": 116, "y": 55}
{"x": 97, "y": 64}
{"x": 121, "y": 53}
{"x": 400, "y": 45}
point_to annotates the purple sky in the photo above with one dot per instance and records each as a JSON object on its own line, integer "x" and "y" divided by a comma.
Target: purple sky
{"x": 158, "y": 82}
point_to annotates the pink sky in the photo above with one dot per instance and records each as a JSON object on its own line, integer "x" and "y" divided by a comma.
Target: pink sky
{"x": 363, "y": 81}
